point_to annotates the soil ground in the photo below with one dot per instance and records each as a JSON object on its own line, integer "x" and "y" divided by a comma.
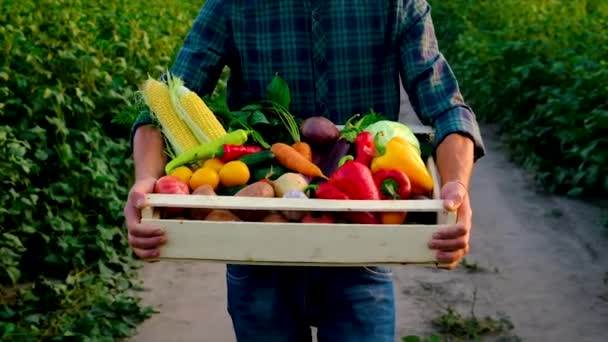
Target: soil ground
{"x": 543, "y": 263}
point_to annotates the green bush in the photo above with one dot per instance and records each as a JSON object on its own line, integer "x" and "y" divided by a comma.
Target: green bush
{"x": 539, "y": 70}
{"x": 69, "y": 69}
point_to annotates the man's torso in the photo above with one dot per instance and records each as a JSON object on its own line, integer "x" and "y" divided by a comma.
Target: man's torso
{"x": 339, "y": 58}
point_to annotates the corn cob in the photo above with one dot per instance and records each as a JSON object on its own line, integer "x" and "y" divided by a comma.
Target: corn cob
{"x": 193, "y": 110}
{"x": 157, "y": 97}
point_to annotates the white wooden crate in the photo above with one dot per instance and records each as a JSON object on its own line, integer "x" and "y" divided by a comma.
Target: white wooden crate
{"x": 299, "y": 243}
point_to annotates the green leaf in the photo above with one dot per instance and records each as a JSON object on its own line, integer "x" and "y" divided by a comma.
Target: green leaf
{"x": 258, "y": 117}
{"x": 6, "y": 312}
{"x": 251, "y": 107}
{"x": 278, "y": 91}
{"x": 13, "y": 273}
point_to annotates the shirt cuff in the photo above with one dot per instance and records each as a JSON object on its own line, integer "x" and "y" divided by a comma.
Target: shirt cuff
{"x": 462, "y": 121}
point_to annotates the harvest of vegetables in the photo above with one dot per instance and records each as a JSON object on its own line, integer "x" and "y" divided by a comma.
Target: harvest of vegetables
{"x": 370, "y": 158}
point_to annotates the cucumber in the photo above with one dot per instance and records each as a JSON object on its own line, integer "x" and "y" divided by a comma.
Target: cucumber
{"x": 273, "y": 172}
{"x": 257, "y": 159}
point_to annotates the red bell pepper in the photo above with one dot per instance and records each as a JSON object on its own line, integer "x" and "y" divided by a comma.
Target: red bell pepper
{"x": 356, "y": 182}
{"x": 366, "y": 148}
{"x": 328, "y": 191}
{"x": 234, "y": 152}
{"x": 393, "y": 184}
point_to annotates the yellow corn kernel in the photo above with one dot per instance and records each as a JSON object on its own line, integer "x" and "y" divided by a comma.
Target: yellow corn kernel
{"x": 157, "y": 97}
{"x": 193, "y": 110}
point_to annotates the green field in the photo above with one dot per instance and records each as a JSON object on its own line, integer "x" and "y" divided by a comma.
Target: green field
{"x": 66, "y": 73}
{"x": 539, "y": 70}
{"x": 68, "y": 80}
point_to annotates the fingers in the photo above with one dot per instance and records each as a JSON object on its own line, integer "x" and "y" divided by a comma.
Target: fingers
{"x": 145, "y": 231}
{"x": 449, "y": 245}
{"x": 145, "y": 241}
{"x": 453, "y": 232}
{"x": 450, "y": 260}
{"x": 147, "y": 253}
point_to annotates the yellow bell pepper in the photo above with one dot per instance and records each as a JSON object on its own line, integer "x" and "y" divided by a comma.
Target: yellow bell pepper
{"x": 401, "y": 155}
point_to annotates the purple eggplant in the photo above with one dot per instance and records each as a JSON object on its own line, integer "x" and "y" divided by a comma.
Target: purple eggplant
{"x": 341, "y": 148}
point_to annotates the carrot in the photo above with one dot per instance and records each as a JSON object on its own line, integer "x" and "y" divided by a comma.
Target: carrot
{"x": 304, "y": 149}
{"x": 291, "y": 159}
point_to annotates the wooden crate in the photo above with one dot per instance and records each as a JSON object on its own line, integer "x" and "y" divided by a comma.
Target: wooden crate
{"x": 299, "y": 243}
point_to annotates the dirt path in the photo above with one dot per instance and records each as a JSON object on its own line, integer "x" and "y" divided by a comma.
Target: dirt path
{"x": 544, "y": 260}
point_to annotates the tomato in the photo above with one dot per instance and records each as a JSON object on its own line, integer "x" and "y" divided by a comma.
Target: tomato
{"x": 171, "y": 185}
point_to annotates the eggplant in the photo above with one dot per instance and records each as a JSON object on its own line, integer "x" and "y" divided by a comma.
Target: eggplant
{"x": 341, "y": 148}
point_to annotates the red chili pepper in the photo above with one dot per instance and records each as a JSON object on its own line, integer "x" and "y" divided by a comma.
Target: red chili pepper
{"x": 393, "y": 184}
{"x": 366, "y": 148}
{"x": 234, "y": 152}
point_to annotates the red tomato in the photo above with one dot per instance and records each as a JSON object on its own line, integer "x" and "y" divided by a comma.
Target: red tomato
{"x": 171, "y": 185}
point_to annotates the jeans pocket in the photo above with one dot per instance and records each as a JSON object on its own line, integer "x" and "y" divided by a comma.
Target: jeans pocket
{"x": 238, "y": 272}
{"x": 379, "y": 272}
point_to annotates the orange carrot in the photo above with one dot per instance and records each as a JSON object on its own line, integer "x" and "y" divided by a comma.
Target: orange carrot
{"x": 291, "y": 159}
{"x": 304, "y": 149}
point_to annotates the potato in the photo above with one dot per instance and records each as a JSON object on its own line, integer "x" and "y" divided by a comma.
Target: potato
{"x": 289, "y": 181}
{"x": 257, "y": 189}
{"x": 221, "y": 215}
{"x": 274, "y": 217}
{"x": 318, "y": 130}
{"x": 201, "y": 213}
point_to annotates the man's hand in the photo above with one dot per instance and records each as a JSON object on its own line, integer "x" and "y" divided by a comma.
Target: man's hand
{"x": 452, "y": 243}
{"x": 144, "y": 239}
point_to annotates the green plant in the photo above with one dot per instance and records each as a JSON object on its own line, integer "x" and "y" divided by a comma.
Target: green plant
{"x": 538, "y": 70}
{"x": 452, "y": 325}
{"x": 69, "y": 75}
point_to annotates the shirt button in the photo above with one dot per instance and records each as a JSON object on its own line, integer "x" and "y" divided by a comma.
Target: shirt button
{"x": 323, "y": 106}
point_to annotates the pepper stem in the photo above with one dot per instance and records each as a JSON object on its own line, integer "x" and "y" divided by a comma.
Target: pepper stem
{"x": 389, "y": 187}
{"x": 345, "y": 159}
{"x": 313, "y": 187}
{"x": 380, "y": 149}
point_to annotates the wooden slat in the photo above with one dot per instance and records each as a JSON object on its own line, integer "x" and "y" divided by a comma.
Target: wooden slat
{"x": 297, "y": 243}
{"x": 262, "y": 203}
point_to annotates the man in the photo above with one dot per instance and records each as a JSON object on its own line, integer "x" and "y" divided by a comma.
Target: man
{"x": 338, "y": 58}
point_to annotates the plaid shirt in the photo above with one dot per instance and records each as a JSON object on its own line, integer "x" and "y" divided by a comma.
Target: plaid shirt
{"x": 339, "y": 58}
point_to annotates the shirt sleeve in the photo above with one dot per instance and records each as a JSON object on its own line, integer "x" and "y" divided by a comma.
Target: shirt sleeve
{"x": 202, "y": 57}
{"x": 429, "y": 80}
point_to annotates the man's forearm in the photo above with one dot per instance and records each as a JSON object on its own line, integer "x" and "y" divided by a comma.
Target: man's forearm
{"x": 148, "y": 153}
{"x": 455, "y": 159}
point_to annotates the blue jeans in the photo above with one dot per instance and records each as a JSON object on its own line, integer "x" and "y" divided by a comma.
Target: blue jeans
{"x": 280, "y": 303}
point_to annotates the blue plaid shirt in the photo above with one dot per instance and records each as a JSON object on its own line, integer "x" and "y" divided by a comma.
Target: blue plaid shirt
{"x": 339, "y": 58}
